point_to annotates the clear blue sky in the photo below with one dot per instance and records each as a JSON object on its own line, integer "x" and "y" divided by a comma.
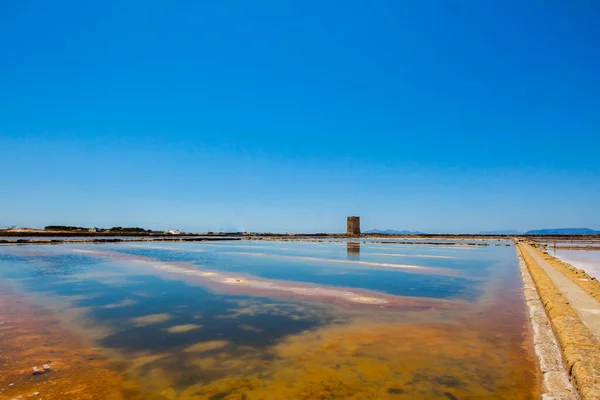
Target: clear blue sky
{"x": 289, "y": 116}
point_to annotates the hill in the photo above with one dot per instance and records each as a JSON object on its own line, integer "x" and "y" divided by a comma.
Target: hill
{"x": 502, "y": 232}
{"x": 563, "y": 231}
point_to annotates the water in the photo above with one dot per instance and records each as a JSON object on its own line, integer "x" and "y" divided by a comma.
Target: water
{"x": 291, "y": 319}
{"x": 588, "y": 260}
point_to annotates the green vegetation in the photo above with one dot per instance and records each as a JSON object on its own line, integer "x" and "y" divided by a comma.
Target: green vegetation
{"x": 64, "y": 228}
{"x": 130, "y": 229}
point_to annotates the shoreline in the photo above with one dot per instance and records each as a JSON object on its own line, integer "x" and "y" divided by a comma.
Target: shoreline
{"x": 113, "y": 240}
{"x": 458, "y": 240}
{"x": 579, "y": 347}
{"x": 555, "y": 379}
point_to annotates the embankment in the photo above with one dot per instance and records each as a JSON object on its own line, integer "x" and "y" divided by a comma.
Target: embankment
{"x": 579, "y": 347}
{"x": 590, "y": 284}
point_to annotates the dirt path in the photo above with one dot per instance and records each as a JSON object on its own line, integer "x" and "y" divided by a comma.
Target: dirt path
{"x": 584, "y": 305}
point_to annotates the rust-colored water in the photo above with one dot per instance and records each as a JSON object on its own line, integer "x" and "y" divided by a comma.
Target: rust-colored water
{"x": 249, "y": 348}
{"x": 30, "y": 337}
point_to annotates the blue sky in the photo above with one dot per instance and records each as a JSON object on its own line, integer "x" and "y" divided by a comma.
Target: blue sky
{"x": 437, "y": 116}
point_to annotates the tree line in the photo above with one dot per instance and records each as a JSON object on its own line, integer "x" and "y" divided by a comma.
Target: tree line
{"x": 80, "y": 228}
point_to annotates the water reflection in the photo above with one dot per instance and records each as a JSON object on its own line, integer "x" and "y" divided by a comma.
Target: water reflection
{"x": 353, "y": 250}
{"x": 182, "y": 339}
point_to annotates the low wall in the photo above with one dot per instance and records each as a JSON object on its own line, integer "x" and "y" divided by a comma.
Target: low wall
{"x": 555, "y": 379}
{"x": 588, "y": 283}
{"x": 579, "y": 347}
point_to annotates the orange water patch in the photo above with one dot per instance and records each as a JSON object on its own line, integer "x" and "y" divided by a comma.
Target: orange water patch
{"x": 30, "y": 337}
{"x": 383, "y": 361}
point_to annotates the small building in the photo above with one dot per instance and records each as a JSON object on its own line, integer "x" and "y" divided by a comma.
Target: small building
{"x": 353, "y": 226}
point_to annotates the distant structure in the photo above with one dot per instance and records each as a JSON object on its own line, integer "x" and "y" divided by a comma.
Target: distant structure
{"x": 353, "y": 226}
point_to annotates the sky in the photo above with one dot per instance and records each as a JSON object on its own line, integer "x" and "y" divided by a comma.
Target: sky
{"x": 288, "y": 116}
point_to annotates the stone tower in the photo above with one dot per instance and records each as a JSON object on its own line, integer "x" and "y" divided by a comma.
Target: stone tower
{"x": 353, "y": 226}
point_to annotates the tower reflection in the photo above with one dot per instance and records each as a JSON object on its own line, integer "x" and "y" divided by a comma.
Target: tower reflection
{"x": 353, "y": 250}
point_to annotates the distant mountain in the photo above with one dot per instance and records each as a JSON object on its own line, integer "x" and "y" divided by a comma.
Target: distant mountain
{"x": 392, "y": 232}
{"x": 563, "y": 231}
{"x": 502, "y": 232}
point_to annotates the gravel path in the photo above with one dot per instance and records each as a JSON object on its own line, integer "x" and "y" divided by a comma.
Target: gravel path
{"x": 584, "y": 305}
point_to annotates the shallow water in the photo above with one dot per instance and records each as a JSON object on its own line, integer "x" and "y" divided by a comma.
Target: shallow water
{"x": 285, "y": 320}
{"x": 588, "y": 260}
